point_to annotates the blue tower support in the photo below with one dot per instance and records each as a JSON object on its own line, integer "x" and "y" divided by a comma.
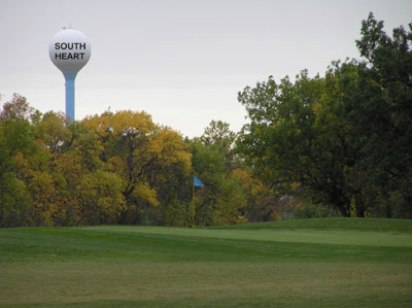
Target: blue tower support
{"x": 70, "y": 78}
{"x": 69, "y": 50}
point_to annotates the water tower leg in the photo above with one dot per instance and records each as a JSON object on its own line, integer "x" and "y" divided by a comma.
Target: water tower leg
{"x": 70, "y": 77}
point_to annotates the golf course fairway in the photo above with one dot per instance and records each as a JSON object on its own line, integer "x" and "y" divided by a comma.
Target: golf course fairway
{"x": 297, "y": 263}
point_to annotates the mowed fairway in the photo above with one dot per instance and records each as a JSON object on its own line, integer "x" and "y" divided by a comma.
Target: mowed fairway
{"x": 298, "y": 263}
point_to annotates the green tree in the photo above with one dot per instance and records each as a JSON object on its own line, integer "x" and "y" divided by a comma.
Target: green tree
{"x": 386, "y": 117}
{"x": 280, "y": 140}
{"x": 14, "y": 200}
{"x": 90, "y": 149}
{"x": 100, "y": 197}
{"x": 66, "y": 170}
{"x": 18, "y": 109}
{"x": 20, "y": 157}
{"x": 222, "y": 199}
{"x": 344, "y": 138}
{"x": 43, "y": 202}
{"x": 52, "y": 130}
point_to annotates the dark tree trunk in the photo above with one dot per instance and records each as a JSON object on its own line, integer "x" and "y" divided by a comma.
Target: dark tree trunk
{"x": 360, "y": 207}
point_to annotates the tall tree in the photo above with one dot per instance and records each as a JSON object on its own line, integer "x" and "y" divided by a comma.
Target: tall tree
{"x": 141, "y": 153}
{"x": 222, "y": 199}
{"x": 388, "y": 114}
{"x": 345, "y": 137}
{"x": 18, "y": 109}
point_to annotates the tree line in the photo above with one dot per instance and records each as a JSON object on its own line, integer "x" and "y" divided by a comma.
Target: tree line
{"x": 343, "y": 139}
{"x": 338, "y": 144}
{"x": 114, "y": 168}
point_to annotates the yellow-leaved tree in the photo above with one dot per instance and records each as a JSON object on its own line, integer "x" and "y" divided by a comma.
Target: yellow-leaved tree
{"x": 142, "y": 154}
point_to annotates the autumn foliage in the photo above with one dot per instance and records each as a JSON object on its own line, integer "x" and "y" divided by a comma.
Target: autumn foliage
{"x": 107, "y": 169}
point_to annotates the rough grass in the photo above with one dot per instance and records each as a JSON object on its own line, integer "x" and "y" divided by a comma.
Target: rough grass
{"x": 308, "y": 263}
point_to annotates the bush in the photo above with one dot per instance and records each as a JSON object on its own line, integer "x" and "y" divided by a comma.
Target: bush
{"x": 310, "y": 210}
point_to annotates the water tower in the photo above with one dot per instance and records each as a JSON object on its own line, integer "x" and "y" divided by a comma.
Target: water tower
{"x": 69, "y": 50}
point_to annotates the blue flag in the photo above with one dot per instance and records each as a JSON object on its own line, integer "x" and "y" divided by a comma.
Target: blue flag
{"x": 197, "y": 182}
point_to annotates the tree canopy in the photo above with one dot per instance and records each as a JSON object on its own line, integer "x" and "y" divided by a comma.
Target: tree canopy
{"x": 345, "y": 138}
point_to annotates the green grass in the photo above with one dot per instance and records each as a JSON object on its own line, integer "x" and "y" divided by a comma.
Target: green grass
{"x": 297, "y": 263}
{"x": 356, "y": 224}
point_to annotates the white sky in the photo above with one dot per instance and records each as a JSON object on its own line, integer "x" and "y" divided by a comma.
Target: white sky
{"x": 181, "y": 61}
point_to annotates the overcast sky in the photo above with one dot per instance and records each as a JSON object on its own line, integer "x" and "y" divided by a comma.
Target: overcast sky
{"x": 181, "y": 61}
